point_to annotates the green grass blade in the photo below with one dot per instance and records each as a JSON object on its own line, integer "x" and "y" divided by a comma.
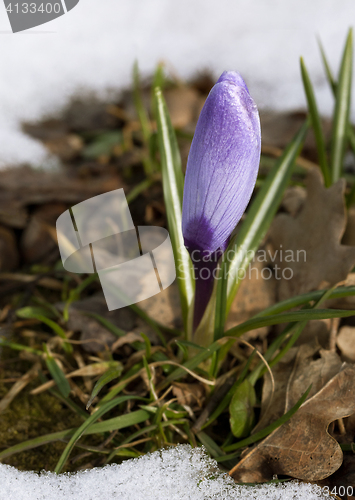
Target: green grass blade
{"x": 227, "y": 398}
{"x": 89, "y": 421}
{"x": 32, "y": 313}
{"x": 351, "y": 134}
{"x": 290, "y": 317}
{"x": 120, "y": 422}
{"x": 327, "y": 69}
{"x": 117, "y": 423}
{"x": 333, "y": 84}
{"x": 151, "y": 322}
{"x": 221, "y": 306}
{"x": 69, "y": 403}
{"x": 300, "y": 300}
{"x": 173, "y": 185}
{"x": 293, "y": 331}
{"x": 107, "y": 324}
{"x": 58, "y": 376}
{"x": 261, "y": 214}
{"x": 138, "y": 102}
{"x": 191, "y": 364}
{"x": 341, "y": 111}
{"x": 105, "y": 379}
{"x": 316, "y": 123}
{"x": 159, "y": 80}
{"x": 270, "y": 428}
{"x": 211, "y": 446}
{"x": 19, "y": 347}
{"x": 139, "y": 188}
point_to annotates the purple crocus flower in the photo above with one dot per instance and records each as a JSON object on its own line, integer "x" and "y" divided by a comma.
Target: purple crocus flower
{"x": 222, "y": 168}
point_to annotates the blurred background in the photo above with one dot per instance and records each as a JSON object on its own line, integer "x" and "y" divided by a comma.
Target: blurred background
{"x": 93, "y": 48}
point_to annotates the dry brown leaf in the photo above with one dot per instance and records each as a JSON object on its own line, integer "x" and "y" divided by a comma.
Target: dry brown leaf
{"x": 292, "y": 376}
{"x": 308, "y": 371}
{"x": 316, "y": 332}
{"x": 189, "y": 394}
{"x": 9, "y": 256}
{"x": 310, "y": 242}
{"x": 279, "y": 129}
{"x": 92, "y": 370}
{"x": 294, "y": 199}
{"x": 273, "y": 401}
{"x": 164, "y": 307}
{"x": 302, "y": 447}
{"x": 254, "y": 295}
{"x": 346, "y": 342}
{"x": 129, "y": 338}
{"x": 37, "y": 244}
{"x": 344, "y": 302}
{"x": 349, "y": 235}
{"x": 343, "y": 479}
{"x": 183, "y": 104}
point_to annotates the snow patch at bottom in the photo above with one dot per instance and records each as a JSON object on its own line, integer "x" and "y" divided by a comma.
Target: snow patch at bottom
{"x": 177, "y": 473}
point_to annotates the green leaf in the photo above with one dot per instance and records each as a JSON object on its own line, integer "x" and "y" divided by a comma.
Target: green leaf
{"x": 241, "y": 409}
{"x": 173, "y": 185}
{"x": 32, "y": 312}
{"x": 89, "y": 421}
{"x": 102, "y": 145}
{"x": 341, "y": 111}
{"x": 227, "y": 398}
{"x": 58, "y": 375}
{"x": 105, "y": 379}
{"x": 316, "y": 124}
{"x": 270, "y": 428}
{"x": 260, "y": 216}
{"x": 289, "y": 317}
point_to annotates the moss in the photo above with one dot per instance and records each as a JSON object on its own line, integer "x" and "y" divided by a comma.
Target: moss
{"x": 28, "y": 417}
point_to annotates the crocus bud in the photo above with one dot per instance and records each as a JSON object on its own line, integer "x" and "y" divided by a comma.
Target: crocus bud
{"x": 222, "y": 168}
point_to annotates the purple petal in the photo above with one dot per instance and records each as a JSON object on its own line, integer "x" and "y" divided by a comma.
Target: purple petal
{"x": 222, "y": 166}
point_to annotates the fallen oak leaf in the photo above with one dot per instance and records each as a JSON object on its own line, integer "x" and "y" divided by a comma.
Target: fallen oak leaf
{"x": 307, "y": 371}
{"x": 309, "y": 243}
{"x": 302, "y": 447}
{"x": 292, "y": 375}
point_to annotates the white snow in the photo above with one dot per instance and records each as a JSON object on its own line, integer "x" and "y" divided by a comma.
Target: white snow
{"x": 177, "y": 473}
{"x": 94, "y": 47}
